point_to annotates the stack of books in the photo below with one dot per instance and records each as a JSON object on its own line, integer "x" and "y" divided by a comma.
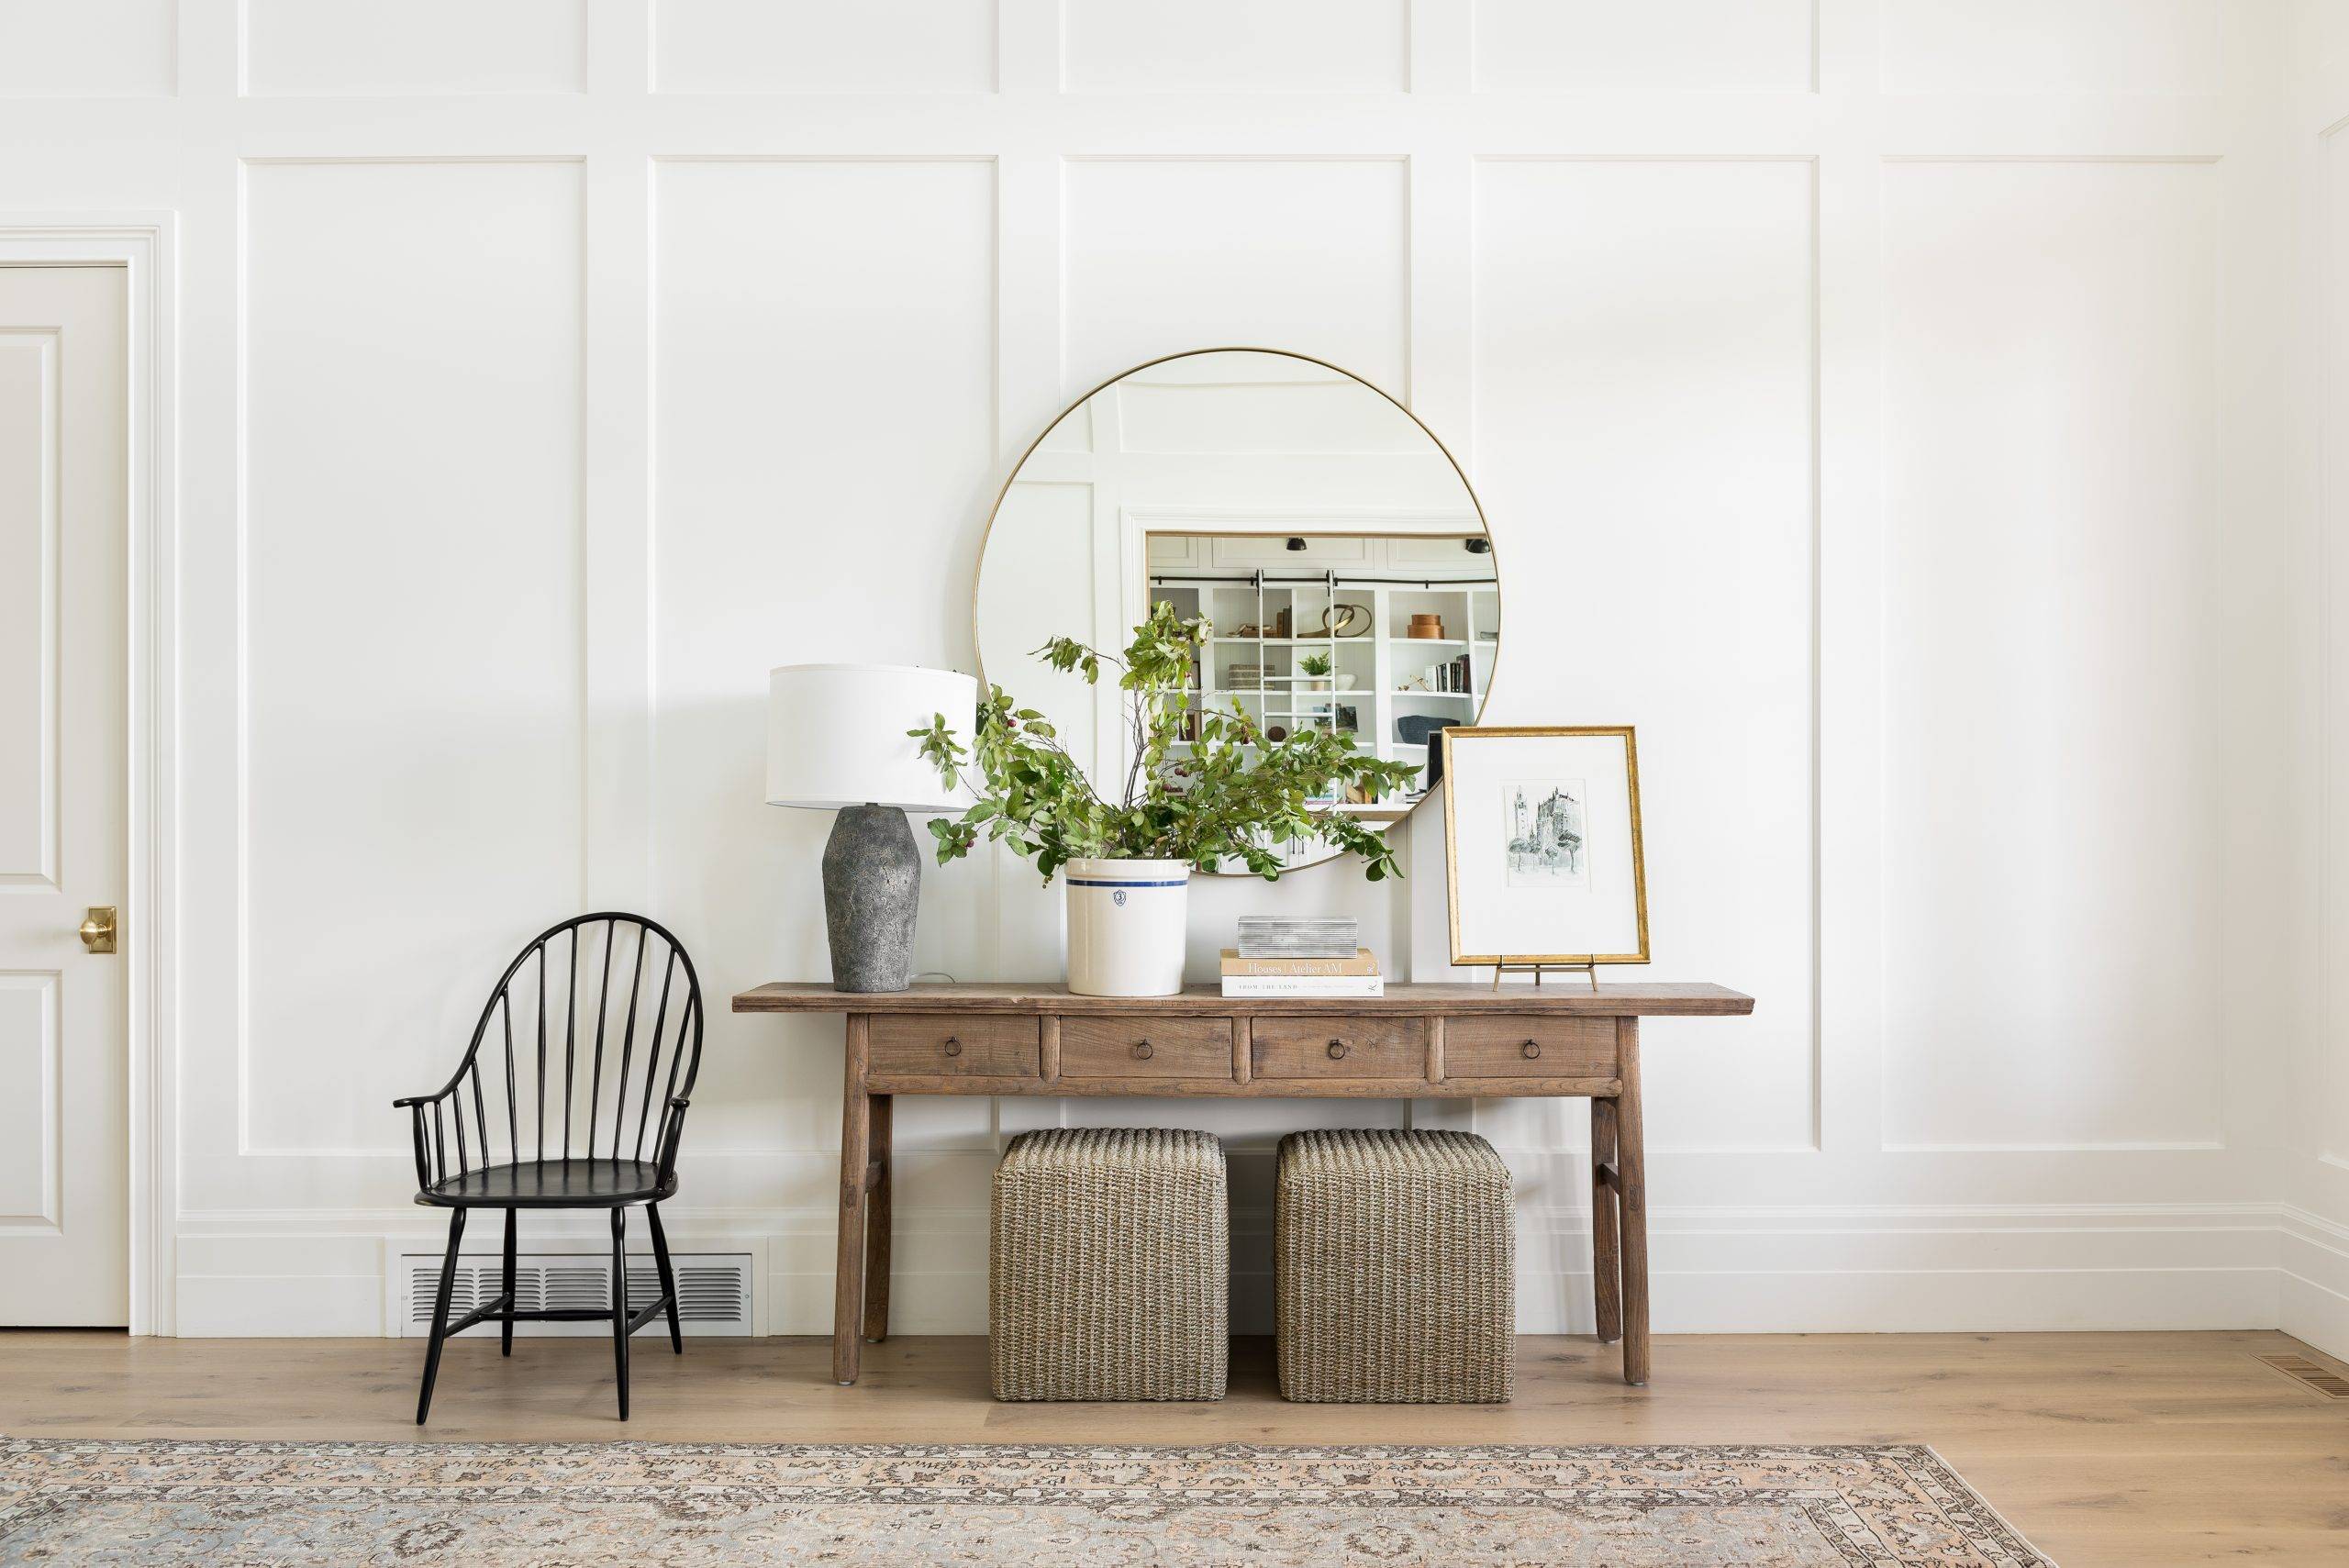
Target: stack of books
{"x": 1294, "y": 956}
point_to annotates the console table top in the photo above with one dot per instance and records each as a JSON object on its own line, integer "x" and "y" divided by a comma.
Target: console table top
{"x": 1643, "y": 1000}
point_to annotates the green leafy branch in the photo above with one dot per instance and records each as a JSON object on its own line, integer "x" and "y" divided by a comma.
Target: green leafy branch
{"x": 1234, "y": 794}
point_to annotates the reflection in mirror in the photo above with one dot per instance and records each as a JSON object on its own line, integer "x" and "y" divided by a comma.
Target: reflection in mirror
{"x": 1321, "y": 529}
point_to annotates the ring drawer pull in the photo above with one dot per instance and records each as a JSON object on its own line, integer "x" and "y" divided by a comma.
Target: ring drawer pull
{"x": 953, "y": 1046}
{"x": 1531, "y": 1048}
{"x": 1337, "y": 1051}
{"x": 1142, "y": 1051}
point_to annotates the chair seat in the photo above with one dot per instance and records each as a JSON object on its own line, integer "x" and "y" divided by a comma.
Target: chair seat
{"x": 552, "y": 1183}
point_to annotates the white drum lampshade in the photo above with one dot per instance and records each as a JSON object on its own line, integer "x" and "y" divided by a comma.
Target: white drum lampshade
{"x": 836, "y": 735}
{"x": 836, "y": 739}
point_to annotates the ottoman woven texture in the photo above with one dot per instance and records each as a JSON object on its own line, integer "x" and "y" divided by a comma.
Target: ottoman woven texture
{"x": 1110, "y": 1266}
{"x": 1394, "y": 1263}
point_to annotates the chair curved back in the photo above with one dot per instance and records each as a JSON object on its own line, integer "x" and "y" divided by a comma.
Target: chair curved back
{"x": 586, "y": 1050}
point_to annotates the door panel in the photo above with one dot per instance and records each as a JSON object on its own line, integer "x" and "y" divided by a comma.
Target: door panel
{"x": 64, "y": 1255}
{"x": 28, "y": 545}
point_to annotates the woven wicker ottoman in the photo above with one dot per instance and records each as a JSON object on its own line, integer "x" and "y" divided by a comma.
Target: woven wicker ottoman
{"x": 1110, "y": 1266}
{"x": 1395, "y": 1258}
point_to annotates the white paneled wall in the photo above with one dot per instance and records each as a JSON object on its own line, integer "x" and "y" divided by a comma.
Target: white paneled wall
{"x": 304, "y": 48}
{"x": 820, "y": 46}
{"x": 823, "y": 400}
{"x": 96, "y": 48}
{"x": 1627, "y": 309}
{"x": 2053, "y": 46}
{"x": 1886, "y": 404}
{"x": 2315, "y": 1297}
{"x": 394, "y": 620}
{"x": 1664, "y": 46}
{"x": 2048, "y": 720}
{"x": 1216, "y": 45}
{"x": 1163, "y": 255}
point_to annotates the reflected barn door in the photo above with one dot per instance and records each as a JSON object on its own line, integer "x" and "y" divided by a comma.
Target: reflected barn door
{"x": 64, "y": 1256}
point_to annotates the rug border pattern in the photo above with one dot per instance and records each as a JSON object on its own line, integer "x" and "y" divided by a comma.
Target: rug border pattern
{"x": 1840, "y": 1524}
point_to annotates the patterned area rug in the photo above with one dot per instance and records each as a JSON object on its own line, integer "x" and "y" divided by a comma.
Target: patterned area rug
{"x": 534, "y": 1505}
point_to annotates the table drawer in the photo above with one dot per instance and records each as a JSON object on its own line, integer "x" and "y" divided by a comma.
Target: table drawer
{"x": 1529, "y": 1045}
{"x": 1154, "y": 1048}
{"x": 954, "y": 1045}
{"x": 1340, "y": 1048}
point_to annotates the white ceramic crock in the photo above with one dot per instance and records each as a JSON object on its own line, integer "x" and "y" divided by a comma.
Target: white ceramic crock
{"x": 1125, "y": 926}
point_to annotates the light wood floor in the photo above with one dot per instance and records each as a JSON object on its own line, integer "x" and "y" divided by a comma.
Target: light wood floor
{"x": 2122, "y": 1449}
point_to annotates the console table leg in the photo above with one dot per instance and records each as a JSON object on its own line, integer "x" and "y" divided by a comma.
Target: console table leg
{"x": 856, "y": 1151}
{"x": 1606, "y": 1244}
{"x": 1631, "y": 1165}
{"x": 876, "y": 1224}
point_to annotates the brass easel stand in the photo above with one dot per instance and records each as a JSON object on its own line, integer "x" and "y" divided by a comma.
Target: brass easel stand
{"x": 1538, "y": 965}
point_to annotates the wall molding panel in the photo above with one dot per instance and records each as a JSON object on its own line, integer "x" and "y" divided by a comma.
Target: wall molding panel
{"x": 813, "y": 46}
{"x": 350, "y": 265}
{"x": 101, "y": 49}
{"x": 354, "y": 48}
{"x": 1724, "y": 46}
{"x": 548, "y": 378}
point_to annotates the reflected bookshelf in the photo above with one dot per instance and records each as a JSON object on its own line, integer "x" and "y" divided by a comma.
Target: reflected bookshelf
{"x": 1356, "y": 623}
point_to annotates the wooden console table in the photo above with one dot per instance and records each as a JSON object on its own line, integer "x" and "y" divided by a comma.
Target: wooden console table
{"x": 1449, "y": 1041}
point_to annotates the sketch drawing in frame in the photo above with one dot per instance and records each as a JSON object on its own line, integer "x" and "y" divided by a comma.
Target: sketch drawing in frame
{"x": 1543, "y": 864}
{"x": 1547, "y": 845}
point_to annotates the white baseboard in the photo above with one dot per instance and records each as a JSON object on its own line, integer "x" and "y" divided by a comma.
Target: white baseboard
{"x": 2313, "y": 1288}
{"x": 1876, "y": 1270}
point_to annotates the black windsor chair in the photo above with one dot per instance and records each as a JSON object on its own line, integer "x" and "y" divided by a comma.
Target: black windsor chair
{"x": 587, "y": 1149}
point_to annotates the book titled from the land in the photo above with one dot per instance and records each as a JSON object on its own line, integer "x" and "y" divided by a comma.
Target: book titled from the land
{"x": 1305, "y": 985}
{"x": 1236, "y": 962}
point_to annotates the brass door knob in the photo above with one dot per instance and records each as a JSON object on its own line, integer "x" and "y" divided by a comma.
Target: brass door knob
{"x": 1337, "y": 1051}
{"x": 953, "y": 1046}
{"x": 97, "y": 930}
{"x": 1531, "y": 1049}
{"x": 1142, "y": 1051}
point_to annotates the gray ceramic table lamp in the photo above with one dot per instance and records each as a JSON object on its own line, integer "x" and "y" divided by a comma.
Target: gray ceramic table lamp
{"x": 837, "y": 740}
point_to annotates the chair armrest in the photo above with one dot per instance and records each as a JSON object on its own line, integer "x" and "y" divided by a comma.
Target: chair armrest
{"x": 673, "y": 1129}
{"x": 427, "y": 1163}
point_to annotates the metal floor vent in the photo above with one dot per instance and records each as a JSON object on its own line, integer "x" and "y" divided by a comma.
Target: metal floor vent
{"x": 2299, "y": 1369}
{"x": 713, "y": 1290}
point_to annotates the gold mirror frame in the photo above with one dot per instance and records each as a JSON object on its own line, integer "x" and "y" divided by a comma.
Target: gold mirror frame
{"x": 1483, "y": 523}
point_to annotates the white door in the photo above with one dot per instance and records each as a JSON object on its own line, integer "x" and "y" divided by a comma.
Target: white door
{"x": 64, "y": 1231}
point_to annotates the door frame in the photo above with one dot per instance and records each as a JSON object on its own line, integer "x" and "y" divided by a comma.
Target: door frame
{"x": 146, "y": 244}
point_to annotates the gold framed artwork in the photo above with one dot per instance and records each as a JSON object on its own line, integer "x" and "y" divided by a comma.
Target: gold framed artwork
{"x": 1542, "y": 861}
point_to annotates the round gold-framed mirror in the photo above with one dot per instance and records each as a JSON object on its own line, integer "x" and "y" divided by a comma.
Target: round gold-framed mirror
{"x": 1328, "y": 536}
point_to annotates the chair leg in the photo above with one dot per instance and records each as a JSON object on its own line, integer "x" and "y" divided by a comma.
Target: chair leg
{"x": 441, "y": 1315}
{"x": 505, "y": 1330}
{"x": 668, "y": 1278}
{"x": 619, "y": 1303}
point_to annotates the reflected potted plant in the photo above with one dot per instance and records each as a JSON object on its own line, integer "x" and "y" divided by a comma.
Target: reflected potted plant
{"x": 1204, "y": 788}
